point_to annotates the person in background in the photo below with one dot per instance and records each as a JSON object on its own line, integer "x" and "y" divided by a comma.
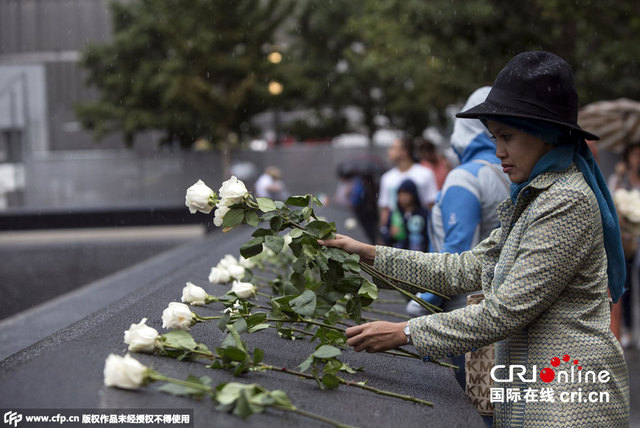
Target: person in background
{"x": 407, "y": 225}
{"x": 357, "y": 190}
{"x": 465, "y": 210}
{"x": 270, "y": 185}
{"x": 431, "y": 157}
{"x": 627, "y": 176}
{"x": 402, "y": 154}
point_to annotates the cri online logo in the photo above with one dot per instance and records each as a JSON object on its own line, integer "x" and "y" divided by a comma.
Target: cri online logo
{"x": 12, "y": 418}
{"x": 548, "y": 374}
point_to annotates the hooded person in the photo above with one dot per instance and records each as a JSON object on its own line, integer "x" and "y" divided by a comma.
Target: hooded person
{"x": 465, "y": 210}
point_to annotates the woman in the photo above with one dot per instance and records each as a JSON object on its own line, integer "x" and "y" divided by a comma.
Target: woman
{"x": 544, "y": 272}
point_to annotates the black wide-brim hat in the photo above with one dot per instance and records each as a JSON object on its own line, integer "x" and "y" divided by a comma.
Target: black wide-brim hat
{"x": 533, "y": 85}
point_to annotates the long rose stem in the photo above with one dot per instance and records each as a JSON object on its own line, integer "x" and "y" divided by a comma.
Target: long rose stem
{"x": 421, "y": 302}
{"x": 402, "y": 281}
{"x": 349, "y": 383}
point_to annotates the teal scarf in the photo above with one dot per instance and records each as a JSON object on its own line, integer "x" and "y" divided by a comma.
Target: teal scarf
{"x": 572, "y": 148}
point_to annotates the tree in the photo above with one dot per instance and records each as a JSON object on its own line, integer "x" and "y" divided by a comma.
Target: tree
{"x": 409, "y": 59}
{"x": 189, "y": 68}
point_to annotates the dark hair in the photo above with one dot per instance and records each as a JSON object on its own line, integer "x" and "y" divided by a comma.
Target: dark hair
{"x": 409, "y": 145}
{"x": 628, "y": 150}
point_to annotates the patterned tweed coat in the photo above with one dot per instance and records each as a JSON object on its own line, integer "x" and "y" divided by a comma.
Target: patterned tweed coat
{"x": 543, "y": 274}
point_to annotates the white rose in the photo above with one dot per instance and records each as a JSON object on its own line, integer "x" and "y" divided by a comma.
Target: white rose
{"x": 193, "y": 295}
{"x": 244, "y": 290}
{"x": 232, "y": 191}
{"x": 236, "y": 271}
{"x": 247, "y": 263}
{"x": 125, "y": 372}
{"x": 177, "y": 316}
{"x": 140, "y": 337}
{"x": 197, "y": 198}
{"x": 227, "y": 260}
{"x": 219, "y": 276}
{"x": 218, "y": 216}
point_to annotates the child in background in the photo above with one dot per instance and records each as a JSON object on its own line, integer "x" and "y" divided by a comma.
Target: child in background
{"x": 407, "y": 224}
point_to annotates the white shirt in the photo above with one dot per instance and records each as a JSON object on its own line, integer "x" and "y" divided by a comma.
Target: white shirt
{"x": 423, "y": 178}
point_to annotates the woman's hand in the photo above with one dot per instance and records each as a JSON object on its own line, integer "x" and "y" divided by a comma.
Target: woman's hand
{"x": 376, "y": 336}
{"x": 366, "y": 252}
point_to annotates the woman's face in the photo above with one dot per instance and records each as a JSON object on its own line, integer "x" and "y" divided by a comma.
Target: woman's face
{"x": 517, "y": 150}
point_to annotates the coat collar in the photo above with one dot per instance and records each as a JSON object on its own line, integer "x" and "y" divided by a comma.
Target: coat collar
{"x": 506, "y": 209}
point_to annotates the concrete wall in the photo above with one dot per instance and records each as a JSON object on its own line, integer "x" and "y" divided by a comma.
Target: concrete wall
{"x": 126, "y": 178}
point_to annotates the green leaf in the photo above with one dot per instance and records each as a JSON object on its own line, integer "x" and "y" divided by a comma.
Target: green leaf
{"x": 368, "y": 292}
{"x": 330, "y": 380}
{"x": 349, "y": 284}
{"x": 276, "y": 224}
{"x": 240, "y": 325}
{"x": 228, "y": 341}
{"x": 265, "y": 205}
{"x": 304, "y": 366}
{"x": 298, "y": 201}
{"x": 223, "y": 321}
{"x": 299, "y": 281}
{"x": 316, "y": 200}
{"x": 296, "y": 247}
{"x": 227, "y": 393}
{"x": 242, "y": 407}
{"x": 304, "y": 304}
{"x": 320, "y": 229}
{"x": 256, "y": 318}
{"x": 321, "y": 262}
{"x": 180, "y": 339}
{"x": 295, "y": 233}
{"x": 281, "y": 398}
{"x": 234, "y": 217}
{"x": 352, "y": 263}
{"x": 327, "y": 351}
{"x": 251, "y": 218}
{"x": 300, "y": 265}
{"x": 309, "y": 250}
{"x": 307, "y": 212}
{"x": 258, "y": 327}
{"x": 274, "y": 243}
{"x": 258, "y": 355}
{"x": 234, "y": 354}
{"x": 181, "y": 390}
{"x": 261, "y": 232}
{"x": 335, "y": 254}
{"x": 252, "y": 247}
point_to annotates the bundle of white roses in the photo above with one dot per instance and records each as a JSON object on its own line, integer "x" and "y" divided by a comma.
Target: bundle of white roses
{"x": 340, "y": 273}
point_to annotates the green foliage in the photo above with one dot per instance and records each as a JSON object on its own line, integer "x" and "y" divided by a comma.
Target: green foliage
{"x": 245, "y": 400}
{"x": 410, "y": 59}
{"x": 198, "y": 68}
{"x": 189, "y": 68}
